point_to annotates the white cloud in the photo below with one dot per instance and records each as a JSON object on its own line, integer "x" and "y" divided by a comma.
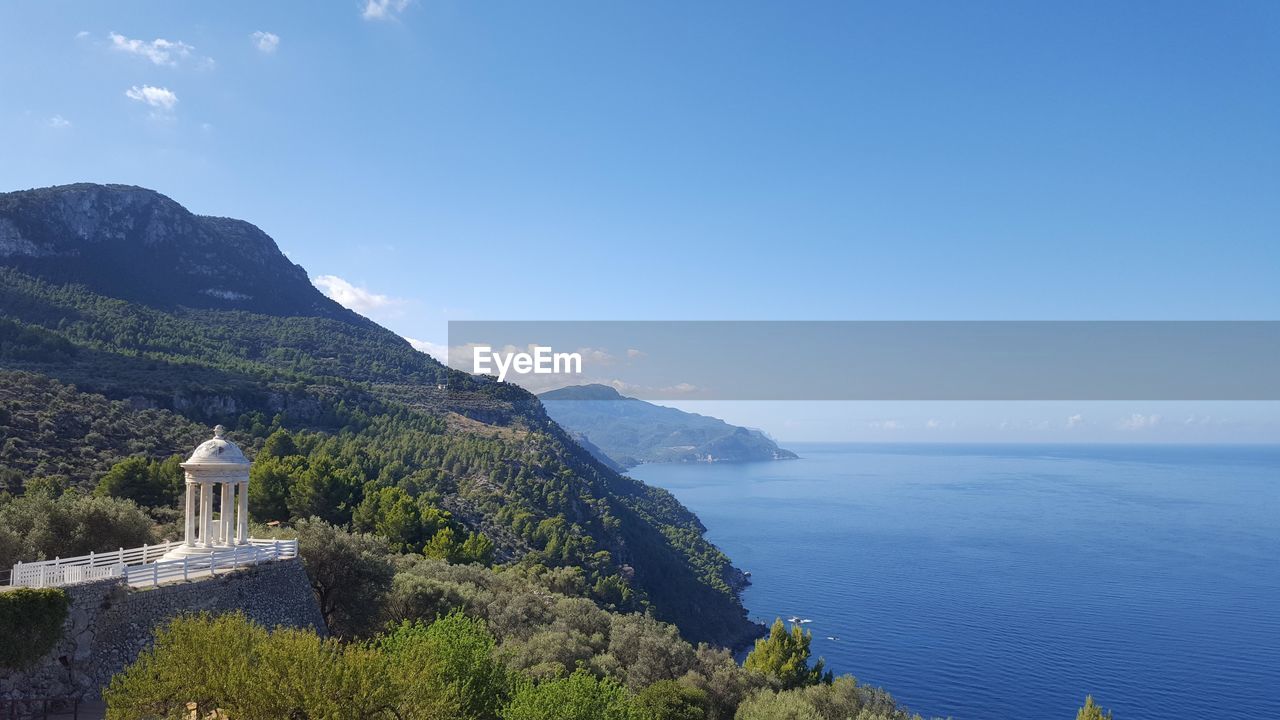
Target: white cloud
{"x": 683, "y": 388}
{"x": 352, "y": 297}
{"x": 383, "y": 9}
{"x": 267, "y": 42}
{"x": 158, "y": 51}
{"x": 884, "y": 425}
{"x": 439, "y": 352}
{"x": 82, "y": 34}
{"x": 1075, "y": 420}
{"x": 58, "y": 122}
{"x": 159, "y": 98}
{"x": 595, "y": 356}
{"x": 1138, "y": 421}
{"x": 633, "y": 353}
{"x": 932, "y": 423}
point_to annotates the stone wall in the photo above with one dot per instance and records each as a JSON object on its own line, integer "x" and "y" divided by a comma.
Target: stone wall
{"x": 109, "y": 623}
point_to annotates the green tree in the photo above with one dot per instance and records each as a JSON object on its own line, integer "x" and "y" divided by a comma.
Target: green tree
{"x": 392, "y": 513}
{"x": 325, "y": 489}
{"x": 477, "y": 548}
{"x": 442, "y": 546}
{"x": 784, "y": 656}
{"x": 580, "y": 696}
{"x": 232, "y": 667}
{"x": 350, "y": 573}
{"x": 449, "y": 666}
{"x": 269, "y": 481}
{"x": 669, "y": 700}
{"x": 279, "y": 444}
{"x": 146, "y": 482}
{"x": 40, "y": 527}
{"x": 1091, "y": 711}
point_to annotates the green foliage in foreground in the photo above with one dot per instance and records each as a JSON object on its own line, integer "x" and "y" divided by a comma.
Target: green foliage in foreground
{"x": 669, "y": 700}
{"x": 843, "y": 699}
{"x": 452, "y": 668}
{"x": 30, "y": 624}
{"x": 1091, "y": 711}
{"x": 784, "y": 656}
{"x": 581, "y": 696}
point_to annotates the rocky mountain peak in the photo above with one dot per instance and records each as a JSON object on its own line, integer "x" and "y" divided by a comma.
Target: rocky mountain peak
{"x": 138, "y": 244}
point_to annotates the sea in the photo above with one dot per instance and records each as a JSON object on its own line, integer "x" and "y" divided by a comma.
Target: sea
{"x": 1009, "y": 581}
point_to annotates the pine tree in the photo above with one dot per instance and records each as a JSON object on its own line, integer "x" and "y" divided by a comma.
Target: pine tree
{"x": 784, "y": 655}
{"x": 1091, "y": 711}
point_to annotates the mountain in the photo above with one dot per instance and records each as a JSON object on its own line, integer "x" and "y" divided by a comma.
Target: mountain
{"x": 630, "y": 431}
{"x": 129, "y": 325}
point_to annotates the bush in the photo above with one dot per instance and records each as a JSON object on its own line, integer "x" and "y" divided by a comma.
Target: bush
{"x": 581, "y": 696}
{"x": 669, "y": 700}
{"x": 843, "y": 698}
{"x": 448, "y": 666}
{"x": 30, "y": 624}
{"x": 229, "y": 665}
{"x": 67, "y": 526}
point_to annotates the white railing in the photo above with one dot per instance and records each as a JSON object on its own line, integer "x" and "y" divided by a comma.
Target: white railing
{"x": 82, "y": 568}
{"x": 142, "y": 566}
{"x": 257, "y": 551}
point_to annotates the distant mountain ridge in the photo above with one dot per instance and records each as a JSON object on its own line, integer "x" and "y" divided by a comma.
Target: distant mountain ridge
{"x": 136, "y": 244}
{"x": 629, "y": 431}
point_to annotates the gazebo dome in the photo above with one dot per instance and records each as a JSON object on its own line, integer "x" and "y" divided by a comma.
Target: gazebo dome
{"x": 217, "y": 451}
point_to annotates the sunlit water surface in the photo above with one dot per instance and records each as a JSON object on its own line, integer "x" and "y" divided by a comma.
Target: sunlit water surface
{"x": 1009, "y": 581}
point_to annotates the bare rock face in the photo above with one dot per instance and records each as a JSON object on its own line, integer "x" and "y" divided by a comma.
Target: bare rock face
{"x": 139, "y": 245}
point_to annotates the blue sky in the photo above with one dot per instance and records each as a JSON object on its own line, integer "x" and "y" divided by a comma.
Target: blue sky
{"x": 506, "y": 160}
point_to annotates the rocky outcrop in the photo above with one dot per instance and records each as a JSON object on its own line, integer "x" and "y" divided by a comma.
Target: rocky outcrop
{"x": 137, "y": 244}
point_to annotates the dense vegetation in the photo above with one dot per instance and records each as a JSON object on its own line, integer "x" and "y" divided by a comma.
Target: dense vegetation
{"x": 464, "y": 641}
{"x": 30, "y": 624}
{"x": 106, "y": 379}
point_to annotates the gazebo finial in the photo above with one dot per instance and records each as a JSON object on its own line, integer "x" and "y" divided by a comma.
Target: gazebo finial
{"x": 218, "y": 430}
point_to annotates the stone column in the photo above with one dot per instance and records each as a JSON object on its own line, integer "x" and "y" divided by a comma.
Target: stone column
{"x": 189, "y": 528}
{"x": 224, "y": 515}
{"x": 206, "y": 514}
{"x": 242, "y": 532}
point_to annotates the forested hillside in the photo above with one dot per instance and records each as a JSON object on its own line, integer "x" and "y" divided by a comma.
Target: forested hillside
{"x": 129, "y": 326}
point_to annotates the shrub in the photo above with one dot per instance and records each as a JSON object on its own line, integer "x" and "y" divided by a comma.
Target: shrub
{"x": 69, "y": 525}
{"x": 581, "y": 696}
{"x": 669, "y": 700}
{"x": 228, "y": 665}
{"x": 30, "y": 624}
{"x": 448, "y": 666}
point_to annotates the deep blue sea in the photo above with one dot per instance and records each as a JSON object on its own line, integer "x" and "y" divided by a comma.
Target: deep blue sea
{"x": 1008, "y": 581}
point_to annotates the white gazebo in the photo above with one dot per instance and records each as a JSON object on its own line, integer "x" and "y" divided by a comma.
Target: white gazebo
{"x": 217, "y": 466}
{"x": 208, "y": 547}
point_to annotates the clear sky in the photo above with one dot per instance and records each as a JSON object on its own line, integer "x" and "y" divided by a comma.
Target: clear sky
{"x": 428, "y": 161}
